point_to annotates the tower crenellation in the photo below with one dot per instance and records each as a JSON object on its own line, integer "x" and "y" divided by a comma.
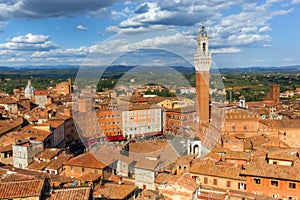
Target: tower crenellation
{"x": 202, "y": 58}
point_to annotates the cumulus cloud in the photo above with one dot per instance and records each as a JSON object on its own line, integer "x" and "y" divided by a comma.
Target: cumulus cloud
{"x": 178, "y": 13}
{"x": 82, "y": 28}
{"x": 225, "y": 50}
{"x": 295, "y": 1}
{"x": 30, "y": 38}
{"x": 53, "y": 8}
{"x": 77, "y": 52}
{"x": 247, "y": 27}
{"x": 116, "y": 47}
{"x": 126, "y": 12}
{"x": 29, "y": 42}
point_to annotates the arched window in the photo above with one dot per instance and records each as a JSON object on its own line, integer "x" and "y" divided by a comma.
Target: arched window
{"x": 204, "y": 47}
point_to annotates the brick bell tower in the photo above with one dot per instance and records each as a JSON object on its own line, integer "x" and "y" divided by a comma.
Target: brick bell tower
{"x": 202, "y": 62}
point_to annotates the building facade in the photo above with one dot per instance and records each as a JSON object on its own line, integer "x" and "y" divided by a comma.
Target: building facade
{"x": 24, "y": 152}
{"x": 141, "y": 120}
{"x": 40, "y": 97}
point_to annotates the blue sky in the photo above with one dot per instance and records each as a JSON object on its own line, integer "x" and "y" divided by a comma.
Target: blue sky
{"x": 66, "y": 32}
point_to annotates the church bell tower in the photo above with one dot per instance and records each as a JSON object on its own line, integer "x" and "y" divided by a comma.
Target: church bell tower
{"x": 202, "y": 62}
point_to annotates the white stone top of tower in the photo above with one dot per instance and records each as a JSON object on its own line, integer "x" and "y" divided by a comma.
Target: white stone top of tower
{"x": 202, "y": 58}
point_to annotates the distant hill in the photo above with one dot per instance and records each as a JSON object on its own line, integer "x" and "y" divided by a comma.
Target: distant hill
{"x": 123, "y": 69}
{"x": 260, "y": 69}
{"x": 6, "y": 69}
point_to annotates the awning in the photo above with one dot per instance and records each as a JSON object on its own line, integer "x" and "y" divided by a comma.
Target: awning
{"x": 115, "y": 138}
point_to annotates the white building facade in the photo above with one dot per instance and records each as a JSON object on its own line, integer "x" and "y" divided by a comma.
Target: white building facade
{"x": 142, "y": 121}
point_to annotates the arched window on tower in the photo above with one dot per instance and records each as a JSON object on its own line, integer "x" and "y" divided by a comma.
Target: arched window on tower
{"x": 204, "y": 47}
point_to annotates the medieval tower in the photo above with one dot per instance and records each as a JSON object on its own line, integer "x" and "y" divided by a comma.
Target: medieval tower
{"x": 202, "y": 62}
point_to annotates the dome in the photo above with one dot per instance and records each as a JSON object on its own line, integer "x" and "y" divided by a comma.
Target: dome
{"x": 29, "y": 90}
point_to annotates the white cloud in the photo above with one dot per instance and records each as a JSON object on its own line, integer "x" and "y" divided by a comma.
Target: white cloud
{"x": 6, "y": 52}
{"x": 54, "y": 8}
{"x": 29, "y": 42}
{"x": 125, "y": 13}
{"x": 82, "y": 28}
{"x": 78, "y": 52}
{"x": 247, "y": 38}
{"x": 14, "y": 60}
{"x": 264, "y": 29}
{"x": 247, "y": 27}
{"x": 138, "y": 30}
{"x": 30, "y": 38}
{"x": 225, "y": 50}
{"x": 165, "y": 13}
{"x": 166, "y": 41}
{"x": 29, "y": 47}
{"x": 295, "y": 1}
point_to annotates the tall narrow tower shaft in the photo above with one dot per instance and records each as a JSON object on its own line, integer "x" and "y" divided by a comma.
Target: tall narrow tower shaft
{"x": 202, "y": 62}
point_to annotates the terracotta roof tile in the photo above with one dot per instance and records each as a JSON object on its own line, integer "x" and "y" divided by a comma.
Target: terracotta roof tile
{"x": 183, "y": 160}
{"x": 284, "y": 154}
{"x": 48, "y": 153}
{"x": 285, "y": 123}
{"x": 40, "y": 92}
{"x": 147, "y": 164}
{"x": 236, "y": 155}
{"x": 57, "y": 163}
{"x": 109, "y": 191}
{"x": 168, "y": 178}
{"x": 90, "y": 177}
{"x": 9, "y": 174}
{"x": 7, "y": 125}
{"x": 187, "y": 182}
{"x": 147, "y": 147}
{"x": 260, "y": 169}
{"x": 86, "y": 160}
{"x": 38, "y": 165}
{"x": 16, "y": 189}
{"x": 186, "y": 109}
{"x": 204, "y": 168}
{"x": 8, "y": 100}
{"x": 78, "y": 193}
{"x": 25, "y": 134}
{"x": 183, "y": 181}
{"x": 148, "y": 194}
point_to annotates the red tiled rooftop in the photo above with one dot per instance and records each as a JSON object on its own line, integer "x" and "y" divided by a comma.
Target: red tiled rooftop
{"x": 86, "y": 160}
{"x": 38, "y": 165}
{"x": 80, "y": 193}
{"x": 90, "y": 177}
{"x": 8, "y": 100}
{"x": 57, "y": 163}
{"x": 147, "y": 147}
{"x": 260, "y": 169}
{"x": 29, "y": 188}
{"x": 168, "y": 178}
{"x": 48, "y": 153}
{"x": 237, "y": 155}
{"x": 40, "y": 92}
{"x": 109, "y": 191}
{"x": 7, "y": 125}
{"x": 205, "y": 168}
